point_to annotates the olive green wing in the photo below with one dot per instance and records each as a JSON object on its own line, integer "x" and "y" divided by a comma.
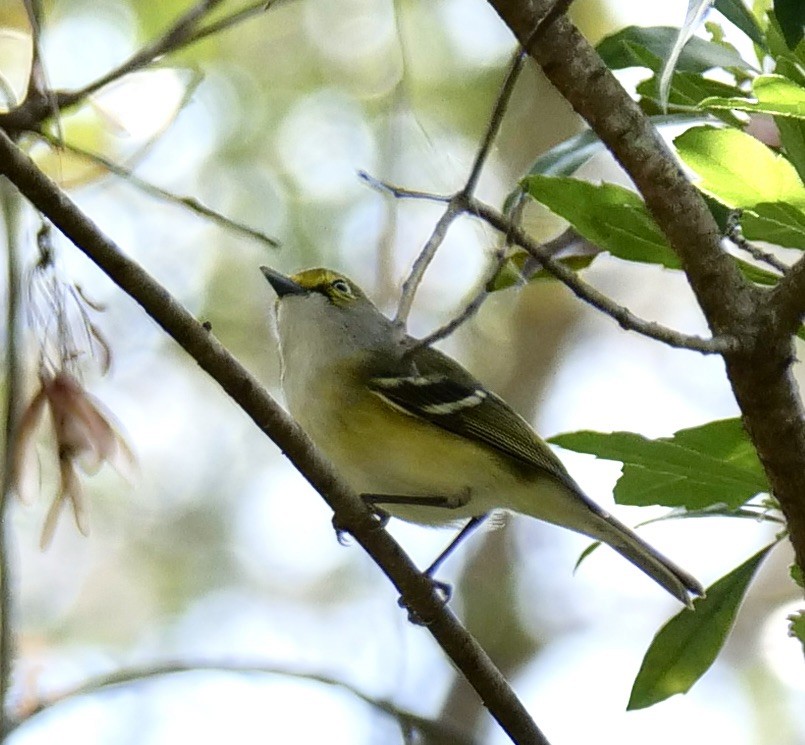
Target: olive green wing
{"x": 434, "y": 388}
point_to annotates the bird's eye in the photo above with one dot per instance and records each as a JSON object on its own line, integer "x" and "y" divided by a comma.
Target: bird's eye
{"x": 339, "y": 285}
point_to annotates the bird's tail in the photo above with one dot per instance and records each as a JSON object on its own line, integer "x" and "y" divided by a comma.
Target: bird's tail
{"x": 646, "y": 558}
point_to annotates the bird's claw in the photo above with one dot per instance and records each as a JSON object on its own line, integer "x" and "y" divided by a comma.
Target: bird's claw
{"x": 442, "y": 589}
{"x": 380, "y": 518}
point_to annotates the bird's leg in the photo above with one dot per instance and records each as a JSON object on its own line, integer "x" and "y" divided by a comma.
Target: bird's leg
{"x": 443, "y": 588}
{"x": 447, "y": 503}
{"x": 373, "y": 501}
{"x": 469, "y": 528}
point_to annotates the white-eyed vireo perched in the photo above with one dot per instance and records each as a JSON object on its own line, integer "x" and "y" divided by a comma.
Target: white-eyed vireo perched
{"x": 417, "y": 435}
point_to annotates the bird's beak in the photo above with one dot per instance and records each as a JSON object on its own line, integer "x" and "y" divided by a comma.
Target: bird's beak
{"x": 282, "y": 285}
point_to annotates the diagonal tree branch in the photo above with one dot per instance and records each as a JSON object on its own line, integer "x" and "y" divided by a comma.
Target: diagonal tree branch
{"x": 417, "y": 592}
{"x": 584, "y": 291}
{"x": 185, "y": 30}
{"x": 759, "y": 370}
{"x": 189, "y": 203}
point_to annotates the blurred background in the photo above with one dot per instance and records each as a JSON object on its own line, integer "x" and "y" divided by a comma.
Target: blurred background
{"x": 216, "y": 552}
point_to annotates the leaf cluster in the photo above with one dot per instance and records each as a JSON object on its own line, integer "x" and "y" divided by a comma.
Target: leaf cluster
{"x": 744, "y": 142}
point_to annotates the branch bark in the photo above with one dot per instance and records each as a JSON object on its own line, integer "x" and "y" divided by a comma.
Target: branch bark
{"x": 418, "y": 593}
{"x": 760, "y": 369}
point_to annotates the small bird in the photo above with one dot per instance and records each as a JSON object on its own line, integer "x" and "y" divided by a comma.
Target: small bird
{"x": 417, "y": 435}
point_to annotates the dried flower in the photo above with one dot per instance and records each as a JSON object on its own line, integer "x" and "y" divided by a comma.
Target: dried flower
{"x": 84, "y": 437}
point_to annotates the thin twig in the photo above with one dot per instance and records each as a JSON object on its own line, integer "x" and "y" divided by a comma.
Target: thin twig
{"x": 736, "y": 236}
{"x": 13, "y": 398}
{"x": 584, "y": 291}
{"x": 498, "y": 112}
{"x": 544, "y": 254}
{"x": 176, "y": 37}
{"x": 469, "y": 310}
{"x": 188, "y": 203}
{"x": 33, "y": 9}
{"x": 560, "y": 7}
{"x": 455, "y": 207}
{"x": 399, "y": 192}
{"x": 222, "y": 24}
{"x": 456, "y": 204}
{"x": 184, "y": 32}
{"x": 135, "y": 675}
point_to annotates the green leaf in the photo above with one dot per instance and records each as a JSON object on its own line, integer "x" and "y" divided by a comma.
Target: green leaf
{"x": 612, "y": 217}
{"x": 779, "y": 49}
{"x": 792, "y": 136}
{"x": 683, "y": 649}
{"x": 797, "y": 627}
{"x": 737, "y": 13}
{"x": 698, "y": 467}
{"x": 774, "y": 94}
{"x": 567, "y": 157}
{"x": 790, "y": 15}
{"x": 688, "y": 89}
{"x": 738, "y": 170}
{"x": 775, "y": 222}
{"x": 698, "y": 55}
{"x": 756, "y": 274}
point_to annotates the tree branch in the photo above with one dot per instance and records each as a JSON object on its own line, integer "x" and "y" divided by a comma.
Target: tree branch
{"x": 131, "y": 676}
{"x": 417, "y": 591}
{"x": 458, "y": 202}
{"x": 736, "y": 236}
{"x": 759, "y": 369}
{"x": 544, "y": 254}
{"x": 454, "y": 208}
{"x": 189, "y": 203}
{"x": 13, "y": 395}
{"x": 585, "y": 291}
{"x": 788, "y": 297}
{"x": 495, "y": 120}
{"x": 40, "y": 103}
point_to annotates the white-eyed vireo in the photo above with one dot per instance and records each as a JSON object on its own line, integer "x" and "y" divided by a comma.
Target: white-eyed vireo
{"x": 417, "y": 435}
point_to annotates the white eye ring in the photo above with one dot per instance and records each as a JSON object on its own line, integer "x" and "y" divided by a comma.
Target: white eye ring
{"x": 341, "y": 286}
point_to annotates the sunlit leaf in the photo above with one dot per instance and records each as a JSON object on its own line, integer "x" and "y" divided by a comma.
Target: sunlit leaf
{"x": 737, "y": 169}
{"x": 683, "y": 649}
{"x": 774, "y": 94}
{"x": 792, "y": 137}
{"x": 775, "y": 222}
{"x": 611, "y": 217}
{"x": 696, "y": 468}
